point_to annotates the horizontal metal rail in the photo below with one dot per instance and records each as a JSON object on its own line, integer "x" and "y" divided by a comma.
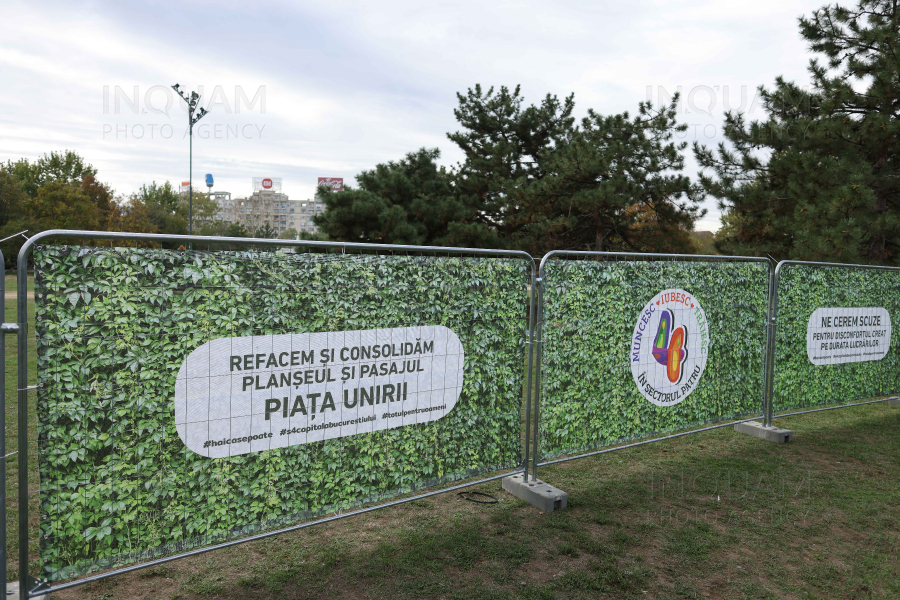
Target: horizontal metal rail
{"x": 791, "y": 263}
{"x": 645, "y": 442}
{"x": 56, "y": 588}
{"x": 812, "y": 410}
{"x": 649, "y": 256}
{"x": 159, "y": 237}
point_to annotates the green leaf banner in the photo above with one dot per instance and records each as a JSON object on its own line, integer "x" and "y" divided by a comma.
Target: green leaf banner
{"x": 113, "y": 325}
{"x": 804, "y": 288}
{"x": 589, "y": 396}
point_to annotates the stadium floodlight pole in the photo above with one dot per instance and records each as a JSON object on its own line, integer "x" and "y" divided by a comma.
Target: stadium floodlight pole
{"x": 191, "y": 101}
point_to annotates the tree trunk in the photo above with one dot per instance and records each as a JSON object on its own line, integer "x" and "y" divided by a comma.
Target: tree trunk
{"x": 879, "y": 240}
{"x": 598, "y": 228}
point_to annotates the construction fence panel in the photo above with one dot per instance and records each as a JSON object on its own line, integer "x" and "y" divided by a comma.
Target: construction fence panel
{"x": 636, "y": 346}
{"x": 186, "y": 398}
{"x": 834, "y": 340}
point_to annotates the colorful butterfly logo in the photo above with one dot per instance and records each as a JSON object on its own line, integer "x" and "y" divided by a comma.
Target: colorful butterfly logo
{"x": 669, "y": 346}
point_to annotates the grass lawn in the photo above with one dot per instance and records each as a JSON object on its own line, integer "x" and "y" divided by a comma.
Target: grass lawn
{"x": 12, "y": 439}
{"x": 715, "y": 515}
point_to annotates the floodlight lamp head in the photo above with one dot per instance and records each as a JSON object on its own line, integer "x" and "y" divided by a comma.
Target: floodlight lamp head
{"x": 194, "y": 95}
{"x": 175, "y": 87}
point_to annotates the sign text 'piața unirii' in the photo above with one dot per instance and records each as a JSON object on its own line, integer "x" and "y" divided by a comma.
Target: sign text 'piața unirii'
{"x": 250, "y": 394}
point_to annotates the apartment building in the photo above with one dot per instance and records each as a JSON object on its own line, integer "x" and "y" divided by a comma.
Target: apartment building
{"x": 268, "y": 205}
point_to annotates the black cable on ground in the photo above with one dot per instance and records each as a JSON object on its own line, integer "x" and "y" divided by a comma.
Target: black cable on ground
{"x": 465, "y": 496}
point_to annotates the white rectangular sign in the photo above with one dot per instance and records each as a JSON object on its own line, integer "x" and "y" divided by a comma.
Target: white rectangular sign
{"x": 844, "y": 335}
{"x": 250, "y": 394}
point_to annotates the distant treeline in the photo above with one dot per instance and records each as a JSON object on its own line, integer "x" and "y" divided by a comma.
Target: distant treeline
{"x": 61, "y": 191}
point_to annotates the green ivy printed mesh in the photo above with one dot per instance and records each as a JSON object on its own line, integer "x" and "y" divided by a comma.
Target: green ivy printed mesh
{"x": 117, "y": 485}
{"x": 804, "y": 288}
{"x": 589, "y": 398}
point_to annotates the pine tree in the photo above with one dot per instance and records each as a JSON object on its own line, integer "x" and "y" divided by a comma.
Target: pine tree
{"x": 532, "y": 179}
{"x": 409, "y": 201}
{"x": 614, "y": 183}
{"x": 819, "y": 179}
{"x": 506, "y": 148}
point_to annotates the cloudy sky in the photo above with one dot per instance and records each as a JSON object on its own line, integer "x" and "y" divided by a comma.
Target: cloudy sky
{"x": 300, "y": 89}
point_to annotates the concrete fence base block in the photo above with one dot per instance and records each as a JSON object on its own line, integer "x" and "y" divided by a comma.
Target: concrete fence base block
{"x": 536, "y": 492}
{"x": 12, "y": 591}
{"x": 894, "y": 402}
{"x": 772, "y": 434}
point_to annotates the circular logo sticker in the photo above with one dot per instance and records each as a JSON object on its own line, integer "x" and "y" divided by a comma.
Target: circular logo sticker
{"x": 669, "y": 347}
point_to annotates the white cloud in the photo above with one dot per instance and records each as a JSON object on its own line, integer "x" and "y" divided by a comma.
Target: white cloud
{"x": 350, "y": 84}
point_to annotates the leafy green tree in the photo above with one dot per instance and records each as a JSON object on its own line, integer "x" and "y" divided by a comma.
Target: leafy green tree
{"x": 12, "y": 197}
{"x": 101, "y": 195}
{"x": 236, "y": 230}
{"x": 410, "y": 201}
{"x": 161, "y": 203}
{"x": 168, "y": 210}
{"x": 13, "y": 218}
{"x": 61, "y": 167}
{"x": 288, "y": 234}
{"x": 58, "y": 205}
{"x": 132, "y": 216}
{"x": 819, "y": 178}
{"x": 532, "y": 179}
{"x": 265, "y": 231}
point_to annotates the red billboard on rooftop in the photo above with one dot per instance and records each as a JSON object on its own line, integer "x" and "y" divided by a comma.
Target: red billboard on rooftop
{"x": 336, "y": 183}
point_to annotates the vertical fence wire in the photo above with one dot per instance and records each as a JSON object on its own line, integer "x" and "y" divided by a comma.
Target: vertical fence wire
{"x": 3, "y": 456}
{"x": 530, "y": 366}
{"x": 23, "y": 443}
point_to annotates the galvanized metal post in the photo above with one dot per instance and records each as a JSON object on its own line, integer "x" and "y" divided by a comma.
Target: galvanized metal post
{"x": 4, "y": 329}
{"x": 537, "y": 379}
{"x": 771, "y": 319}
{"x": 21, "y": 359}
{"x": 531, "y": 317}
{"x": 3, "y": 435}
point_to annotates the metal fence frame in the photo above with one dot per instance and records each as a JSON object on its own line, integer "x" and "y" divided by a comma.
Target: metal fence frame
{"x": 709, "y": 258}
{"x": 3, "y": 331}
{"x": 30, "y": 587}
{"x": 773, "y": 317}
